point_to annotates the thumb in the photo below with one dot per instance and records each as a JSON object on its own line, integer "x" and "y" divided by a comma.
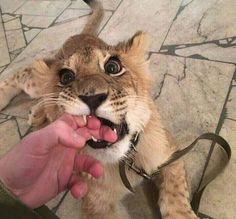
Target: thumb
{"x": 60, "y": 132}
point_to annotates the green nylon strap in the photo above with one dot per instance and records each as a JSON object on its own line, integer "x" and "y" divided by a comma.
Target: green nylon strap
{"x": 195, "y": 203}
{"x": 123, "y": 176}
{"x": 12, "y": 208}
{"x": 45, "y": 212}
{"x": 174, "y": 157}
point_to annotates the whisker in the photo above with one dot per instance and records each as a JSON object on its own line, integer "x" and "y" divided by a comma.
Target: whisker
{"x": 52, "y": 93}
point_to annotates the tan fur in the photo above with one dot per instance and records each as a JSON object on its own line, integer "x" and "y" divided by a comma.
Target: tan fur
{"x": 128, "y": 100}
{"x": 95, "y": 19}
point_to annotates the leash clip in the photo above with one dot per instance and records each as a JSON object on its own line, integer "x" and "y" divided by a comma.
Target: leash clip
{"x": 131, "y": 164}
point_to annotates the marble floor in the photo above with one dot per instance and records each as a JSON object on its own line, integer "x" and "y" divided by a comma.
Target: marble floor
{"x": 192, "y": 56}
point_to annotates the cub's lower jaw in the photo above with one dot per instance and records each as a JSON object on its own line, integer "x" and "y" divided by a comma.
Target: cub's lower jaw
{"x": 111, "y": 154}
{"x": 120, "y": 129}
{"x": 108, "y": 152}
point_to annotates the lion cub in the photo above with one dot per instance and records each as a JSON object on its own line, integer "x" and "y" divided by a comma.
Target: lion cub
{"x": 87, "y": 76}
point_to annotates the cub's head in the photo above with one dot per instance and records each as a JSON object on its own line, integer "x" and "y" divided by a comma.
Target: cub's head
{"x": 112, "y": 83}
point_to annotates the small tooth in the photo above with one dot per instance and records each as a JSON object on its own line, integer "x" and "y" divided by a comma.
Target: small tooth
{"x": 94, "y": 139}
{"x": 85, "y": 119}
{"x": 115, "y": 130}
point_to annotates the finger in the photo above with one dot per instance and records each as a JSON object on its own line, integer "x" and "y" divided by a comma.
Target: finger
{"x": 78, "y": 187}
{"x": 104, "y": 133}
{"x": 84, "y": 132}
{"x": 93, "y": 122}
{"x": 69, "y": 120}
{"x": 88, "y": 164}
{"x": 73, "y": 121}
{"x": 108, "y": 134}
{"x": 60, "y": 132}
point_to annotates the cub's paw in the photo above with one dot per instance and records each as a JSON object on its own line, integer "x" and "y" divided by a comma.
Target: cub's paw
{"x": 37, "y": 116}
{"x": 8, "y": 90}
{"x": 53, "y": 112}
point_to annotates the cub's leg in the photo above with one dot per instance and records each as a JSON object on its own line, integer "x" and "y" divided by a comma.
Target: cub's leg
{"x": 37, "y": 116}
{"x": 103, "y": 210}
{"x": 8, "y": 89}
{"x": 174, "y": 197}
{"x": 33, "y": 80}
{"x": 103, "y": 198}
{"x": 36, "y": 81}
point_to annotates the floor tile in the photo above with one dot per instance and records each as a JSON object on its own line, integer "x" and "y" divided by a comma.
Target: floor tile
{"x": 234, "y": 80}
{"x": 30, "y": 34}
{"x": 153, "y": 19}
{"x": 11, "y": 7}
{"x": 3, "y": 116}
{"x": 218, "y": 50}
{"x": 2, "y": 68}
{"x": 4, "y": 55}
{"x": 23, "y": 126}
{"x": 186, "y": 2}
{"x": 14, "y": 34}
{"x": 15, "y": 53}
{"x": 107, "y": 4}
{"x": 48, "y": 41}
{"x": 10, "y": 137}
{"x": 203, "y": 21}
{"x": 12, "y": 24}
{"x": 7, "y": 17}
{"x": 15, "y": 39}
{"x": 70, "y": 208}
{"x": 46, "y": 8}
{"x": 219, "y": 197}
{"x": 37, "y": 21}
{"x": 69, "y": 14}
{"x": 231, "y": 105}
{"x": 3, "y": 119}
{"x": 54, "y": 202}
{"x": 19, "y": 106}
{"x": 196, "y": 101}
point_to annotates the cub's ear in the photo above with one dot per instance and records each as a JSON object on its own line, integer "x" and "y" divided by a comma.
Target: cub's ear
{"x": 138, "y": 44}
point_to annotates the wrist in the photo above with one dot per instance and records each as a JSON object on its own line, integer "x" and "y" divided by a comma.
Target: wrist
{"x": 5, "y": 180}
{"x": 16, "y": 194}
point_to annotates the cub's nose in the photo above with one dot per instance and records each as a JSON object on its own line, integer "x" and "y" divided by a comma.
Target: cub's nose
{"x": 93, "y": 101}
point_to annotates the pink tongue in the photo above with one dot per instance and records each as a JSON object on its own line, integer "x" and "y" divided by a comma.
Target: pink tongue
{"x": 101, "y": 132}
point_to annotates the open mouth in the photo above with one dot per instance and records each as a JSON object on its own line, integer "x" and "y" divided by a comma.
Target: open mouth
{"x": 120, "y": 129}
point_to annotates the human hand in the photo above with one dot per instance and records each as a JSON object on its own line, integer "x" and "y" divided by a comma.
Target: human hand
{"x": 44, "y": 162}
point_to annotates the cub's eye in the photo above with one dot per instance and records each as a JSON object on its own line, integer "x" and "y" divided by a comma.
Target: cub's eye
{"x": 66, "y": 76}
{"x": 113, "y": 67}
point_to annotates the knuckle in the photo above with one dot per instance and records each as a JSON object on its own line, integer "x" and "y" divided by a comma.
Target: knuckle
{"x": 59, "y": 126}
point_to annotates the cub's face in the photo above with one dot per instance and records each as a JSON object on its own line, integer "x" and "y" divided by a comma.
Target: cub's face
{"x": 110, "y": 82}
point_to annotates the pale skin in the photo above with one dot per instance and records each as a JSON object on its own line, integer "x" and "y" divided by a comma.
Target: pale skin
{"x": 46, "y": 162}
